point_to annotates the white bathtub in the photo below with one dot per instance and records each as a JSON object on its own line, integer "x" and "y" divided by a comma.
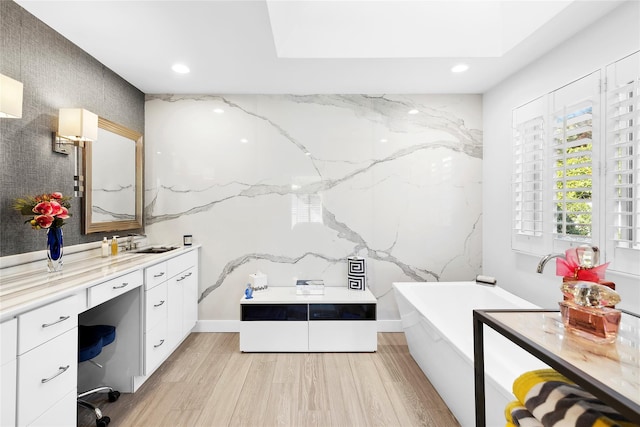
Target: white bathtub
{"x": 437, "y": 319}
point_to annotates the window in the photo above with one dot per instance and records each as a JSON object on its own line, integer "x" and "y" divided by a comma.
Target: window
{"x": 573, "y": 185}
{"x": 572, "y": 172}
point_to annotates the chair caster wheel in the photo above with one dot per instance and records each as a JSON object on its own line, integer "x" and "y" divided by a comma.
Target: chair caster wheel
{"x": 113, "y": 395}
{"x": 103, "y": 422}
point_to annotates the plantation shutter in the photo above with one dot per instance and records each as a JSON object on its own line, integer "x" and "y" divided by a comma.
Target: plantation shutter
{"x": 623, "y": 165}
{"x": 529, "y": 134}
{"x": 573, "y": 156}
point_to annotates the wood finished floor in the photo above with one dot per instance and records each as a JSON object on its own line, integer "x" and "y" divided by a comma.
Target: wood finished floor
{"x": 207, "y": 381}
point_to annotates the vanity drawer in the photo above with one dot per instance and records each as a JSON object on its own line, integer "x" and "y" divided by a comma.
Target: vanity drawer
{"x": 156, "y": 347}
{"x": 182, "y": 263}
{"x": 156, "y": 305}
{"x": 110, "y": 289}
{"x": 42, "y": 324}
{"x": 155, "y": 275}
{"x": 45, "y": 374}
{"x": 62, "y": 414}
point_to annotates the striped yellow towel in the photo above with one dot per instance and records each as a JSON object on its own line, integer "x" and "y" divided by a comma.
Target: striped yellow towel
{"x": 518, "y": 415}
{"x": 557, "y": 402}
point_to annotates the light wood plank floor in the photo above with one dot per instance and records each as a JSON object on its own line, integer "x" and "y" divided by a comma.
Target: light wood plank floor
{"x": 209, "y": 382}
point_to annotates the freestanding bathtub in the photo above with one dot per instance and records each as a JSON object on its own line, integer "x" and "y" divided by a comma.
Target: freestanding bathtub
{"x": 437, "y": 319}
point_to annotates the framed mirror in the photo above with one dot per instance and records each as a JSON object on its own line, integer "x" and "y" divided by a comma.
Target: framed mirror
{"x": 113, "y": 179}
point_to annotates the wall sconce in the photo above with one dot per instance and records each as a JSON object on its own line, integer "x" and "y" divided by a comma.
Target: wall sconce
{"x": 75, "y": 126}
{"x": 10, "y": 97}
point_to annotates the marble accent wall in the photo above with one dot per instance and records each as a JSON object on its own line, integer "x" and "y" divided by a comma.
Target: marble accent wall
{"x": 293, "y": 185}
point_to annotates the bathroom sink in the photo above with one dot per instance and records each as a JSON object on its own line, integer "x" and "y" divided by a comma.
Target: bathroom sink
{"x": 156, "y": 250}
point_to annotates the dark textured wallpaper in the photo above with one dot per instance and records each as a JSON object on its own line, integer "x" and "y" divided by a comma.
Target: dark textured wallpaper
{"x": 56, "y": 74}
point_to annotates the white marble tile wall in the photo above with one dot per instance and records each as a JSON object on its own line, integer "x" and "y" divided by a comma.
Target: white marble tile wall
{"x": 293, "y": 185}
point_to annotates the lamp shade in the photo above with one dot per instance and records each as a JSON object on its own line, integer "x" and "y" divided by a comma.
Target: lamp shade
{"x": 77, "y": 124}
{"x": 10, "y": 97}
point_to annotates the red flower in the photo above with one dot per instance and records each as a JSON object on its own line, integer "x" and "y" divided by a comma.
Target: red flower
{"x": 43, "y": 208}
{"x": 44, "y": 221}
{"x": 64, "y": 213}
{"x": 56, "y": 195}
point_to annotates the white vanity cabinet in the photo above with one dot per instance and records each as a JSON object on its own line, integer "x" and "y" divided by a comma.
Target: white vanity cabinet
{"x": 183, "y": 296}
{"x": 141, "y": 295}
{"x": 47, "y": 364}
{"x": 171, "y": 306}
{"x": 8, "y": 371}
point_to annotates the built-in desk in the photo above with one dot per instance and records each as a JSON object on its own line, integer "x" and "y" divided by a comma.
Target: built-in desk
{"x": 611, "y": 372}
{"x": 40, "y": 312}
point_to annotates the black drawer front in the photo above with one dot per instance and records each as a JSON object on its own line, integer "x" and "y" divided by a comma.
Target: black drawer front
{"x": 342, "y": 311}
{"x": 277, "y": 312}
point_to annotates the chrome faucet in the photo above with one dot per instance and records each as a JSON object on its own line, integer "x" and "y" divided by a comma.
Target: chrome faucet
{"x": 130, "y": 243}
{"x": 546, "y": 259}
{"x": 588, "y": 257}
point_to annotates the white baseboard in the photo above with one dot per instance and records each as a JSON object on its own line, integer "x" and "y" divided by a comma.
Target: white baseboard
{"x": 217, "y": 326}
{"x": 389, "y": 325}
{"x": 234, "y": 326}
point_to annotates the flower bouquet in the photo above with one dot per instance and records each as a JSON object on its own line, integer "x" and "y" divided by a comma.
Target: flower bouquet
{"x": 47, "y": 211}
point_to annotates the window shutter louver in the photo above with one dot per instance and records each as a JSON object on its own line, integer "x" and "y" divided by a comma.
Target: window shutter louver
{"x": 527, "y": 179}
{"x": 623, "y": 165}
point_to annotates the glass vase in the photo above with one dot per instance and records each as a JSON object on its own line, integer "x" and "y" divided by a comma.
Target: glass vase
{"x": 55, "y": 249}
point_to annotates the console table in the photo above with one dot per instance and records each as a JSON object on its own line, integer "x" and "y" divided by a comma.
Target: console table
{"x": 611, "y": 372}
{"x": 279, "y": 320}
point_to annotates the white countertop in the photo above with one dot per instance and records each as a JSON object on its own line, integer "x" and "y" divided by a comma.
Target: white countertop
{"x": 332, "y": 295}
{"x": 26, "y": 290}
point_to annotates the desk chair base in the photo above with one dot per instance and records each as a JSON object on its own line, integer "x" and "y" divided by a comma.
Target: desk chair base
{"x": 101, "y": 421}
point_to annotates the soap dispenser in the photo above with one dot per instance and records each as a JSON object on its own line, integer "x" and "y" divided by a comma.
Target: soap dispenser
{"x": 114, "y": 246}
{"x": 105, "y": 248}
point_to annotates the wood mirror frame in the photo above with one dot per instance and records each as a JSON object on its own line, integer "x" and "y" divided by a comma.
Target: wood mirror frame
{"x": 118, "y": 221}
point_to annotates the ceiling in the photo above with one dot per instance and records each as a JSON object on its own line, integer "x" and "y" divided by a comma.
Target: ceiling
{"x": 317, "y": 46}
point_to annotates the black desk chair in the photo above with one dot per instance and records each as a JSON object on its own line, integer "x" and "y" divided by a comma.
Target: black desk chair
{"x": 91, "y": 340}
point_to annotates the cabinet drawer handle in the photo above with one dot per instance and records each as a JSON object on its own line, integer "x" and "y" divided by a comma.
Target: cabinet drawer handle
{"x": 188, "y": 274}
{"x": 124, "y": 285}
{"x": 181, "y": 279}
{"x": 158, "y": 345}
{"x": 158, "y": 305}
{"x": 159, "y": 274}
{"x": 61, "y": 319}
{"x": 61, "y": 370}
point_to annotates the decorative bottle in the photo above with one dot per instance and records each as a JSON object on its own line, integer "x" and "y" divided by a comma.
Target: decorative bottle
{"x": 105, "y": 248}
{"x": 114, "y": 246}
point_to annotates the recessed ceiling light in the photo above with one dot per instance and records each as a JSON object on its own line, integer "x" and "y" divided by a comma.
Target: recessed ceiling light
{"x": 218, "y": 110}
{"x": 307, "y": 153}
{"x": 383, "y": 140}
{"x": 459, "y": 68}
{"x": 180, "y": 68}
{"x": 244, "y": 140}
{"x": 414, "y": 111}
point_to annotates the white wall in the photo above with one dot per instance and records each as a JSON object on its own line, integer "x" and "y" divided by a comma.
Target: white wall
{"x": 402, "y": 190}
{"x": 612, "y": 38}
